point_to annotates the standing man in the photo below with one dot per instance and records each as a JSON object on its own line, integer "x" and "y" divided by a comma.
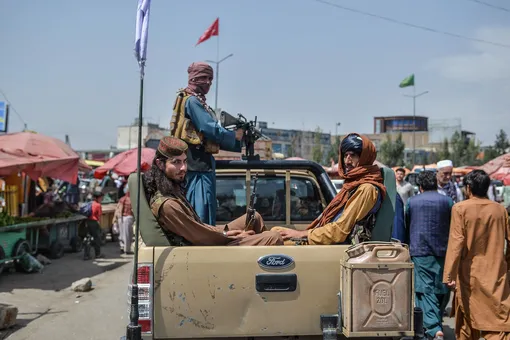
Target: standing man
{"x": 125, "y": 220}
{"x": 428, "y": 216}
{"x": 446, "y": 186}
{"x": 404, "y": 188}
{"x": 196, "y": 123}
{"x": 476, "y": 266}
{"x": 93, "y": 223}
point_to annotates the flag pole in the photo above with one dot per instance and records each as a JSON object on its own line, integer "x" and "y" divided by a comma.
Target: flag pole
{"x": 134, "y": 329}
{"x": 414, "y": 124}
{"x": 217, "y": 73}
{"x": 414, "y": 96}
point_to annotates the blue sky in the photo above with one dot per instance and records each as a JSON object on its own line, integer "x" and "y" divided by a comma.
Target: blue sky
{"x": 68, "y": 66}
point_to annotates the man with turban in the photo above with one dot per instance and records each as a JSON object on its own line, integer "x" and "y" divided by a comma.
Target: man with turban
{"x": 196, "y": 123}
{"x": 163, "y": 185}
{"x": 445, "y": 185}
{"x": 350, "y": 217}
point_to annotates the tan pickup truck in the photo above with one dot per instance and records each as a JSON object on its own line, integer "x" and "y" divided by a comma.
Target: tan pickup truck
{"x": 278, "y": 292}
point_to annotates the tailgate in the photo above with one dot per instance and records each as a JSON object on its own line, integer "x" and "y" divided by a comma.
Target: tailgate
{"x": 219, "y": 291}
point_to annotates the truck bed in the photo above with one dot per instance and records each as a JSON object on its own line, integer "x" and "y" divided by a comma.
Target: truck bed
{"x": 202, "y": 292}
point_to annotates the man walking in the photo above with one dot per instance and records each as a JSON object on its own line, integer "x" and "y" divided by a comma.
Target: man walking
{"x": 404, "y": 188}
{"x": 476, "y": 266}
{"x": 428, "y": 216}
{"x": 125, "y": 220}
{"x": 93, "y": 223}
{"x": 446, "y": 186}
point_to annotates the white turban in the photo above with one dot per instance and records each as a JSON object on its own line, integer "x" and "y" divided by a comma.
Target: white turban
{"x": 445, "y": 163}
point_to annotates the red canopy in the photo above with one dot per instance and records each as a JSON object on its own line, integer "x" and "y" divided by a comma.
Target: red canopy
{"x": 124, "y": 163}
{"x": 37, "y": 155}
{"x": 499, "y": 168}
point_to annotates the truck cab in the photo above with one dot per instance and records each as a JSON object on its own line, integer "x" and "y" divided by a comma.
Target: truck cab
{"x": 276, "y": 292}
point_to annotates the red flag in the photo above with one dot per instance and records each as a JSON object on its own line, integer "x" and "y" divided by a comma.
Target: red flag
{"x": 214, "y": 29}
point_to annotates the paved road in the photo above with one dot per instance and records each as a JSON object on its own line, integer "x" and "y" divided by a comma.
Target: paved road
{"x": 48, "y": 309}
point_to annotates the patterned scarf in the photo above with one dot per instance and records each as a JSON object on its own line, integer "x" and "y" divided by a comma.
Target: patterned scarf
{"x": 451, "y": 191}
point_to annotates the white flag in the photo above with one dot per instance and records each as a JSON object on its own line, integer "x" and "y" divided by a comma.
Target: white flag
{"x": 142, "y": 30}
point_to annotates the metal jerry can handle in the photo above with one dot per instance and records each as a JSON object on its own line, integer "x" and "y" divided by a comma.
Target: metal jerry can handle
{"x": 390, "y": 253}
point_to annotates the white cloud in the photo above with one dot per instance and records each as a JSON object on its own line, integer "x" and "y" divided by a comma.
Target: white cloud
{"x": 485, "y": 63}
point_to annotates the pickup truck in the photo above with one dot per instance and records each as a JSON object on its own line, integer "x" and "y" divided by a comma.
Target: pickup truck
{"x": 273, "y": 292}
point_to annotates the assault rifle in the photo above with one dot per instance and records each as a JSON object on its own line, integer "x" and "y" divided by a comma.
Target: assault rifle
{"x": 251, "y": 132}
{"x": 250, "y": 213}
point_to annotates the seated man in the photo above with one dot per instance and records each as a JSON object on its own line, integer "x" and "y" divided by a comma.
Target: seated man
{"x": 350, "y": 217}
{"x": 164, "y": 186}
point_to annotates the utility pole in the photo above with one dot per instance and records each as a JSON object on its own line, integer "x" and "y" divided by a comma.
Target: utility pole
{"x": 217, "y": 77}
{"x": 414, "y": 96}
{"x": 336, "y": 130}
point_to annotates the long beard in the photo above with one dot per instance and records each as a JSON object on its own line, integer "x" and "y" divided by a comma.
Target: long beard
{"x": 156, "y": 180}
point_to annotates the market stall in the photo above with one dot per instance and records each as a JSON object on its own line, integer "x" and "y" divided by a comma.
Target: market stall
{"x": 24, "y": 158}
{"x": 123, "y": 164}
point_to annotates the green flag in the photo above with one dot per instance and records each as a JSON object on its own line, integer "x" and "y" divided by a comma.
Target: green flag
{"x": 409, "y": 81}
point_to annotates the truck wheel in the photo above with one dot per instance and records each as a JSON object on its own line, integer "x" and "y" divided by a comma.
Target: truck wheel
{"x": 76, "y": 244}
{"x": 2, "y": 257}
{"x": 56, "y": 250}
{"x": 21, "y": 247}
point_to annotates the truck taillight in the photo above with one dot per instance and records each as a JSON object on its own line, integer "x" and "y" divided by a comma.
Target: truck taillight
{"x": 145, "y": 290}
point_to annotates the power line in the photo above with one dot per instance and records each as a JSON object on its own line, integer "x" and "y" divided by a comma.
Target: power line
{"x": 490, "y": 5}
{"x": 12, "y": 107}
{"x": 424, "y": 28}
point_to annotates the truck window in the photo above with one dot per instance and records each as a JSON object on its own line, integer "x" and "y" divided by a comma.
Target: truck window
{"x": 231, "y": 198}
{"x": 305, "y": 199}
{"x": 305, "y": 203}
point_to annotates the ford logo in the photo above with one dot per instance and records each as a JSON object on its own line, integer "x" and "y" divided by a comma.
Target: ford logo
{"x": 279, "y": 261}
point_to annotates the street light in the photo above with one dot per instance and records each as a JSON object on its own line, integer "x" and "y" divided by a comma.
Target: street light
{"x": 414, "y": 96}
{"x": 217, "y": 77}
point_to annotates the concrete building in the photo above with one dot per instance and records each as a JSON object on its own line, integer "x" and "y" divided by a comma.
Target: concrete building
{"x": 296, "y": 143}
{"x": 429, "y": 134}
{"x": 127, "y": 136}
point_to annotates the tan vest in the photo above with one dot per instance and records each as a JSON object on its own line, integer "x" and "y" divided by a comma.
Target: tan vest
{"x": 182, "y": 127}
{"x": 156, "y": 203}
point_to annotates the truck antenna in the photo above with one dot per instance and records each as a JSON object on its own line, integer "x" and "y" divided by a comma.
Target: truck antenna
{"x": 134, "y": 330}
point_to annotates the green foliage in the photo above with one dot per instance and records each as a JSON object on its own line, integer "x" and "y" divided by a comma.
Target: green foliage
{"x": 501, "y": 144}
{"x": 392, "y": 152}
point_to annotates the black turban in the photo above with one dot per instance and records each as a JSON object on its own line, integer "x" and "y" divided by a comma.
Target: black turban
{"x": 352, "y": 143}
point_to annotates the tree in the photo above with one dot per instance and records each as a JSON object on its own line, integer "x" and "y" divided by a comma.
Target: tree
{"x": 501, "y": 144}
{"x": 489, "y": 154}
{"x": 458, "y": 149}
{"x": 392, "y": 152}
{"x": 471, "y": 153}
{"x": 290, "y": 150}
{"x": 444, "y": 153}
{"x": 317, "y": 147}
{"x": 334, "y": 150}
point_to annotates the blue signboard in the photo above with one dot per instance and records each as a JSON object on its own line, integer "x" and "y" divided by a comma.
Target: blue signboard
{"x": 3, "y": 116}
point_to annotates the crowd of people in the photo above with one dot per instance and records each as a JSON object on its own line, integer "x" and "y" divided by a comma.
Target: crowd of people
{"x": 458, "y": 239}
